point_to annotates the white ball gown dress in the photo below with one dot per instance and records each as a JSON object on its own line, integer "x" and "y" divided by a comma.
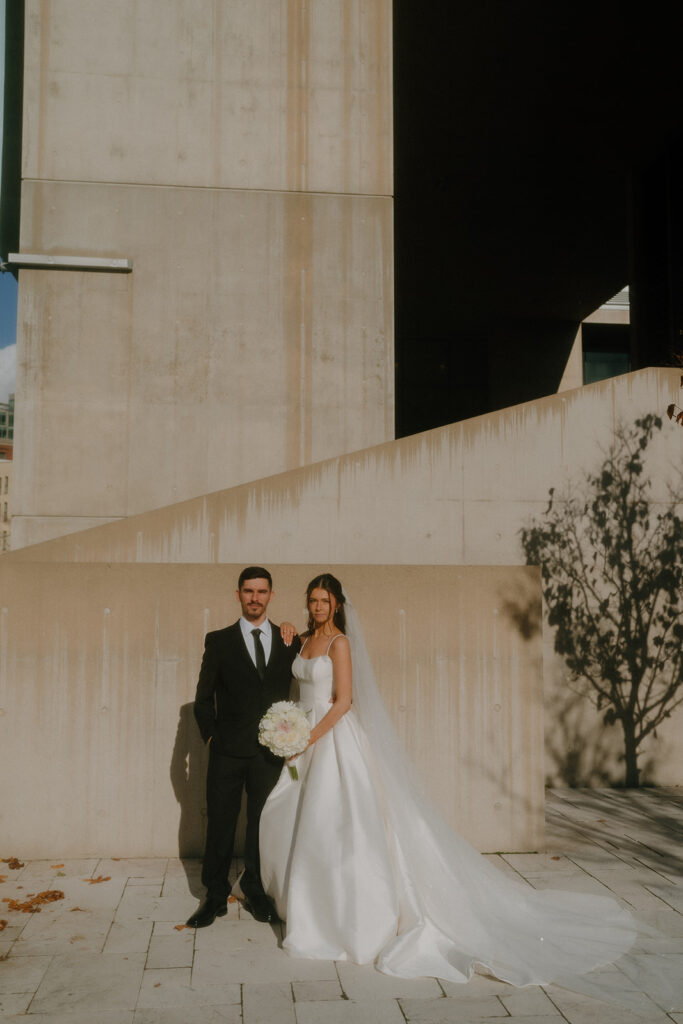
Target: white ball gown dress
{"x": 362, "y": 868}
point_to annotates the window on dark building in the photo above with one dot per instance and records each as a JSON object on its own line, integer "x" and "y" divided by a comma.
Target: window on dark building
{"x": 606, "y": 351}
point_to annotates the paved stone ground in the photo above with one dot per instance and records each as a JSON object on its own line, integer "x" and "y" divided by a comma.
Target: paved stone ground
{"x": 109, "y": 952}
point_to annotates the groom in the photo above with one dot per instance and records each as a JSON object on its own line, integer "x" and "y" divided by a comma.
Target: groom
{"x": 246, "y": 668}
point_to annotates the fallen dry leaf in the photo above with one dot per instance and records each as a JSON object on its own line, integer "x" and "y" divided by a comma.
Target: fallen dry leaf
{"x": 556, "y": 858}
{"x": 157, "y": 984}
{"x": 12, "y": 862}
{"x": 3, "y": 925}
{"x": 96, "y": 881}
{"x": 56, "y": 865}
{"x": 78, "y": 908}
{"x": 33, "y": 904}
{"x": 116, "y": 858}
{"x": 179, "y": 927}
{"x": 3, "y": 878}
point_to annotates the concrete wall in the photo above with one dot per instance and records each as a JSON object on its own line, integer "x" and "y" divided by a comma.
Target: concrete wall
{"x": 240, "y": 155}
{"x": 279, "y": 95}
{"x": 98, "y": 666}
{"x": 242, "y": 344}
{"x": 457, "y": 495}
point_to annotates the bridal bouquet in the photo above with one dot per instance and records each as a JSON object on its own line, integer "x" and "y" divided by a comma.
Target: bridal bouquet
{"x": 285, "y": 730}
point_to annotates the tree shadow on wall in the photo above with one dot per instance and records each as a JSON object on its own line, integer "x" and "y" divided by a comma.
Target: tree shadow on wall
{"x": 612, "y": 576}
{"x": 580, "y": 753}
{"x": 521, "y": 603}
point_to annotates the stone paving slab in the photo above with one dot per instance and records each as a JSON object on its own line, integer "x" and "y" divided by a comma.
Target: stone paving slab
{"x": 114, "y": 949}
{"x": 79, "y": 1017}
{"x": 379, "y": 1011}
{"x": 190, "y": 1015}
{"x": 452, "y": 1011}
{"x": 316, "y": 991}
{"x": 533, "y": 1002}
{"x": 90, "y": 982}
{"x": 268, "y": 1004}
{"x": 22, "y": 973}
{"x": 177, "y": 987}
{"x": 365, "y": 983}
{"x": 128, "y": 936}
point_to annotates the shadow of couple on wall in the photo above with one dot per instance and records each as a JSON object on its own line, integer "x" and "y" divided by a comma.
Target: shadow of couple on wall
{"x": 188, "y": 777}
{"x": 189, "y": 762}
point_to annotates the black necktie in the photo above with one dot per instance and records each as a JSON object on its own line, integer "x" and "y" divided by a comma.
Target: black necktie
{"x": 260, "y": 654}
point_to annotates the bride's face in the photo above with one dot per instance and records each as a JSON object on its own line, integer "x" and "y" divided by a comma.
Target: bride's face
{"x": 321, "y": 606}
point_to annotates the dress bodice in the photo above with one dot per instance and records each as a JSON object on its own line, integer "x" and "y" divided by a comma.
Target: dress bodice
{"x": 315, "y": 677}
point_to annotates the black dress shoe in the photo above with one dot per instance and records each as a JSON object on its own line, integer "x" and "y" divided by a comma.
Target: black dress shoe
{"x": 261, "y": 908}
{"x": 207, "y": 913}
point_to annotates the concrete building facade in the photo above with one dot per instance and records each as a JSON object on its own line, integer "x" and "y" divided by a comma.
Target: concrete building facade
{"x": 240, "y": 156}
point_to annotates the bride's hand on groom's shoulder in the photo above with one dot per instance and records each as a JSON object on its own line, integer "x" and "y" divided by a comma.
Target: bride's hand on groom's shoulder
{"x": 287, "y": 632}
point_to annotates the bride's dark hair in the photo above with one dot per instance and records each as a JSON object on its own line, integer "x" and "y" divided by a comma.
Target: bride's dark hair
{"x": 326, "y": 581}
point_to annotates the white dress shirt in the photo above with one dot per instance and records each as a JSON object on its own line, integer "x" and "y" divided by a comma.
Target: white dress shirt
{"x": 266, "y": 637}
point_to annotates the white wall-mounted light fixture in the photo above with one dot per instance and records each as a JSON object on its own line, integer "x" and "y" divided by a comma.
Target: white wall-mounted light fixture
{"x": 46, "y": 261}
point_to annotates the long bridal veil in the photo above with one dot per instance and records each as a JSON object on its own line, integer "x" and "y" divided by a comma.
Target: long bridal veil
{"x": 458, "y": 912}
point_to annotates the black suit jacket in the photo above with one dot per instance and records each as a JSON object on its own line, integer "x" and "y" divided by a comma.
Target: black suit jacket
{"x": 231, "y": 698}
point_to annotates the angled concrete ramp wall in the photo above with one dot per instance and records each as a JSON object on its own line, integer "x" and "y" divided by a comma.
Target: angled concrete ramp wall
{"x": 457, "y": 495}
{"x": 98, "y": 667}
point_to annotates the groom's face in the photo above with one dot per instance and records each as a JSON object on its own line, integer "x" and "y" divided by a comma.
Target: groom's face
{"x": 254, "y": 596}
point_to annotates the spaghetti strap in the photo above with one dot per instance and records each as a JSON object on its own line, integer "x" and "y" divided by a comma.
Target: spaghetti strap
{"x": 331, "y": 642}
{"x": 304, "y": 644}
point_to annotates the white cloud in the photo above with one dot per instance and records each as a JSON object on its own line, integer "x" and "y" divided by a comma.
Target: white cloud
{"x": 8, "y": 370}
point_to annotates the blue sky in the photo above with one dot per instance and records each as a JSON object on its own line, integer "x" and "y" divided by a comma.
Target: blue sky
{"x": 8, "y": 285}
{"x": 8, "y": 333}
{"x": 8, "y": 310}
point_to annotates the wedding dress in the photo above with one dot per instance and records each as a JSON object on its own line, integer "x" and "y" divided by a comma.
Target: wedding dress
{"x": 363, "y": 868}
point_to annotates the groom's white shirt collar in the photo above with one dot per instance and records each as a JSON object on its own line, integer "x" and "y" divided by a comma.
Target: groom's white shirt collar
{"x": 266, "y": 637}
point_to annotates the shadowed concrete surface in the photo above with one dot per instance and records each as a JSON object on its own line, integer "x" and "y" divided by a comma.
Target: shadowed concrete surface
{"x": 109, "y": 952}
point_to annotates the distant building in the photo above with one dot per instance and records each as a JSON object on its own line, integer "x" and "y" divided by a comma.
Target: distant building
{"x": 7, "y": 428}
{"x": 5, "y": 502}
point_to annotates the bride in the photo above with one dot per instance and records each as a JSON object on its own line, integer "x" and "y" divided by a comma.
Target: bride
{"x": 363, "y": 868}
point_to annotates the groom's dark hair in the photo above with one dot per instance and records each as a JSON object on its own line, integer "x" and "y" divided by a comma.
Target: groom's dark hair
{"x": 255, "y": 572}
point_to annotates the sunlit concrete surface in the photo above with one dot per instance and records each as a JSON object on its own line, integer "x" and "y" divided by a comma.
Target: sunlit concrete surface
{"x": 99, "y": 664}
{"x": 110, "y": 951}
